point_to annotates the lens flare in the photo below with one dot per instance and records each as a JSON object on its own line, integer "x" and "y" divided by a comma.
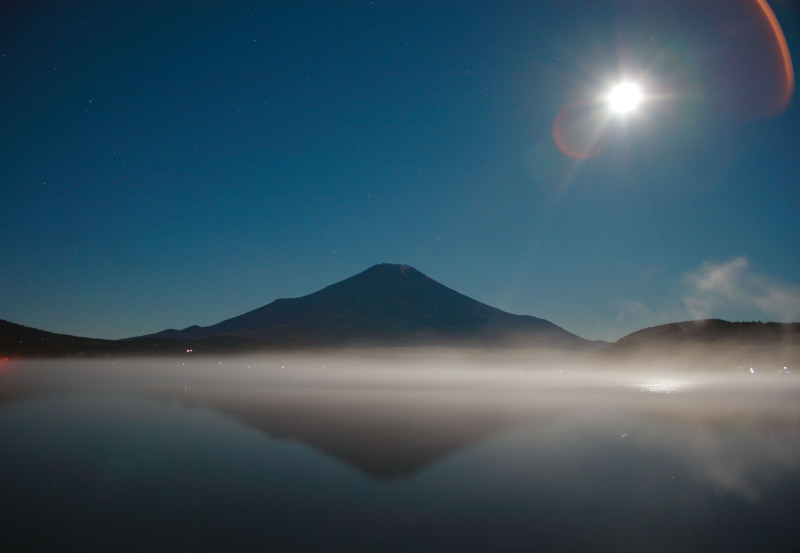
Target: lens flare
{"x": 749, "y": 70}
{"x": 580, "y": 130}
{"x": 783, "y": 47}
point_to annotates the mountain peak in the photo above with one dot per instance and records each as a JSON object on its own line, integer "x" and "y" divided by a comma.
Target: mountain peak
{"x": 387, "y": 268}
{"x": 386, "y": 304}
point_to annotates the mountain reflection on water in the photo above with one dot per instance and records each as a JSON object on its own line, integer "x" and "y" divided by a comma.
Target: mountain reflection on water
{"x": 258, "y": 457}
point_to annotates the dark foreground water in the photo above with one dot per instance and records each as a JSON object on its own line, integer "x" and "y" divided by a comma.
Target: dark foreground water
{"x": 143, "y": 457}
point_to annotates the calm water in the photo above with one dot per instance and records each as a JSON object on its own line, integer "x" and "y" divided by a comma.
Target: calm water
{"x": 209, "y": 457}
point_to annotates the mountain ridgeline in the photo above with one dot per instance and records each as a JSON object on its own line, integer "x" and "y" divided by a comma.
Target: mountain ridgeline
{"x": 391, "y": 305}
{"x": 386, "y": 305}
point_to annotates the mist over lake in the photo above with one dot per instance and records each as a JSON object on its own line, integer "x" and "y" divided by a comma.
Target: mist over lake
{"x": 359, "y": 454}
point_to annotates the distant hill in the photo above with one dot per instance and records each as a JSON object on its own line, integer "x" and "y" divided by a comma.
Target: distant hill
{"x": 18, "y": 341}
{"x": 712, "y": 343}
{"x": 386, "y": 305}
{"x": 23, "y": 341}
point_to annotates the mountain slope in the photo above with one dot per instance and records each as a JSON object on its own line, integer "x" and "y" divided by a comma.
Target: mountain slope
{"x": 389, "y": 305}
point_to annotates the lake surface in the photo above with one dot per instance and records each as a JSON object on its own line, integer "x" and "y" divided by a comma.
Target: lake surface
{"x": 255, "y": 456}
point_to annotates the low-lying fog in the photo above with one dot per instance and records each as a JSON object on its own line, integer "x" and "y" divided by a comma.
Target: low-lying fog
{"x": 385, "y": 452}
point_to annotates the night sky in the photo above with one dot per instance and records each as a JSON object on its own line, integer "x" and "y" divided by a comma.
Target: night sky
{"x": 174, "y": 163}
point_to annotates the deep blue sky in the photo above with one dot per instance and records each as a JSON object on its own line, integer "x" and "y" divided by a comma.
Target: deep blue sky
{"x": 175, "y": 163}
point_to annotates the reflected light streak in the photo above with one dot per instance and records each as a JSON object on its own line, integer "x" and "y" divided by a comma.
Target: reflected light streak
{"x": 663, "y": 387}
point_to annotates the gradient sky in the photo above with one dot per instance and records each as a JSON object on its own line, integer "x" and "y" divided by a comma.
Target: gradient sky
{"x": 175, "y": 163}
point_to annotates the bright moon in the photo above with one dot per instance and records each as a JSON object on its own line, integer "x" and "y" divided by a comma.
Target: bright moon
{"x": 625, "y": 97}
